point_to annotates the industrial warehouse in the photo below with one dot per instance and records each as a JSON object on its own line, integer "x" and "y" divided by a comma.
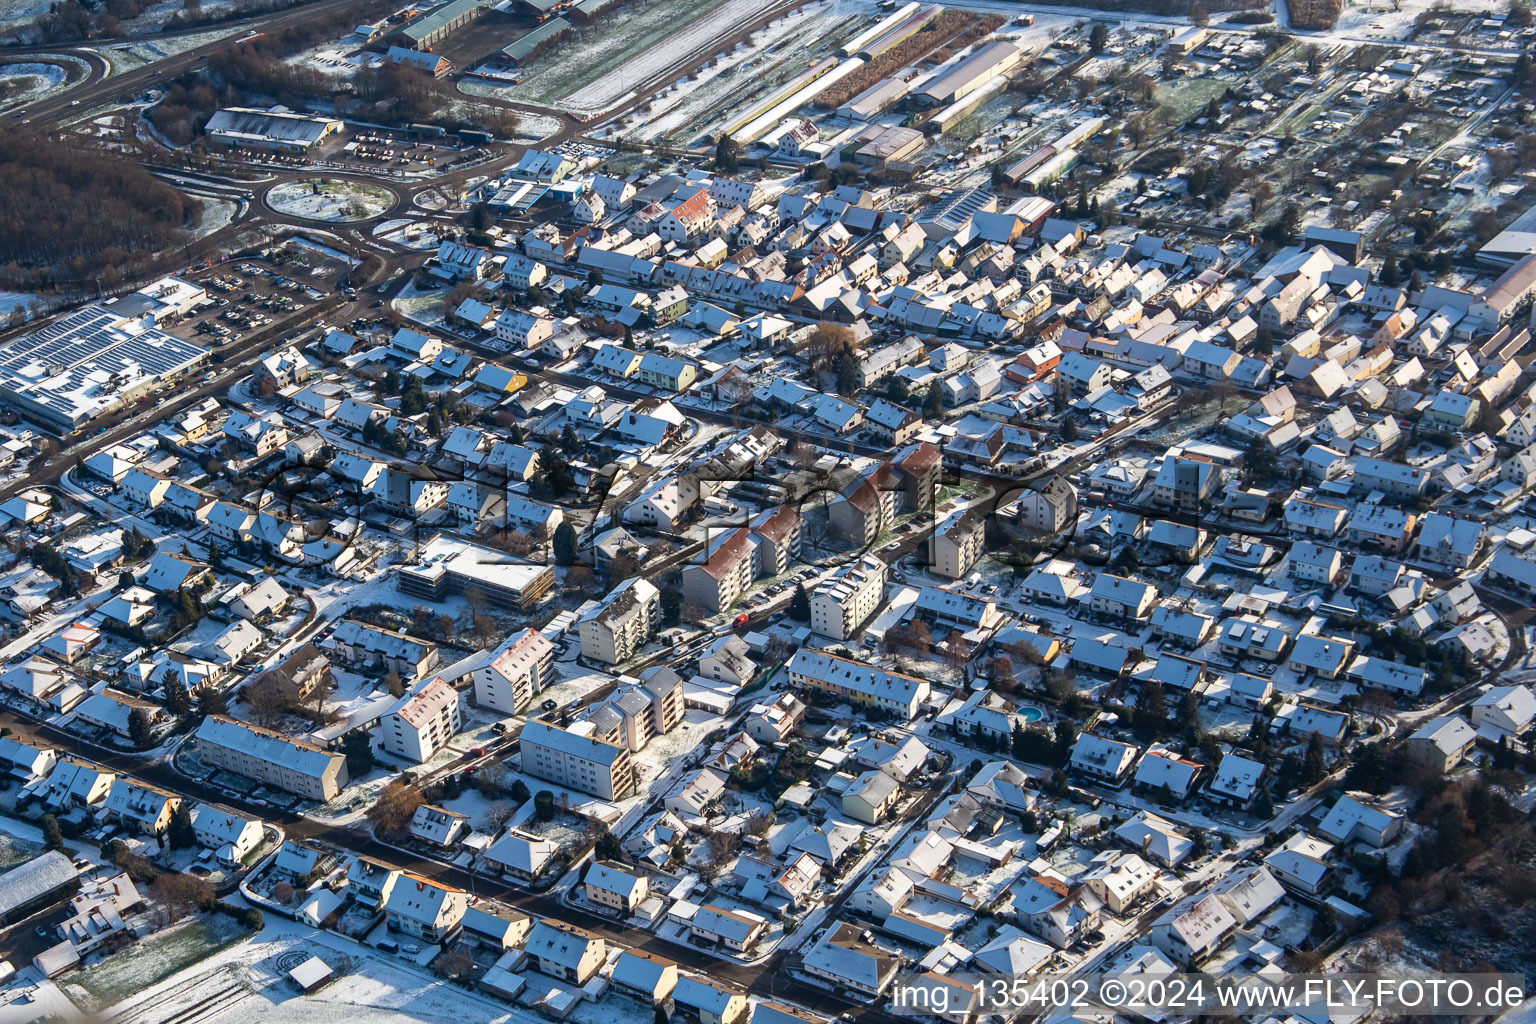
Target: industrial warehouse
{"x": 270, "y": 129}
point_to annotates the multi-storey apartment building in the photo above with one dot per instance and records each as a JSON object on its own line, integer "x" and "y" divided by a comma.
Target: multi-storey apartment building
{"x": 577, "y": 762}
{"x": 842, "y": 603}
{"x": 615, "y": 629}
{"x": 271, "y": 758}
{"x": 521, "y": 669}
{"x": 421, "y": 723}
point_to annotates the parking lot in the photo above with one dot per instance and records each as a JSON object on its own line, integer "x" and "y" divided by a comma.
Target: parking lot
{"x": 249, "y": 295}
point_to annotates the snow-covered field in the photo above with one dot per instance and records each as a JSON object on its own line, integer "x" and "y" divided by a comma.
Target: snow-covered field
{"x": 424, "y": 307}
{"x": 743, "y": 71}
{"x": 329, "y": 200}
{"x": 535, "y": 126}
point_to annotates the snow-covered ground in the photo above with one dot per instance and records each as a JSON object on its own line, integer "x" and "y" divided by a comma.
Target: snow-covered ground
{"x": 20, "y": 12}
{"x": 329, "y": 200}
{"x": 12, "y": 301}
{"x": 217, "y": 214}
{"x": 127, "y": 56}
{"x": 412, "y": 233}
{"x": 694, "y": 38}
{"x": 31, "y": 80}
{"x": 736, "y": 75}
{"x": 248, "y": 983}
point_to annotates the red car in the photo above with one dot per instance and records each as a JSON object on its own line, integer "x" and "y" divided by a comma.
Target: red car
{"x": 478, "y": 751}
{"x": 741, "y": 620}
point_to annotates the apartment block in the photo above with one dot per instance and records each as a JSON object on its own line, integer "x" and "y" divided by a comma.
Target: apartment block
{"x": 614, "y": 630}
{"x": 576, "y": 761}
{"x": 421, "y": 723}
{"x": 848, "y": 598}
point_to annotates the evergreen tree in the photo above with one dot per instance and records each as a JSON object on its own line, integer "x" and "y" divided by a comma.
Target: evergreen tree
{"x": 359, "y": 751}
{"x": 1315, "y": 765}
{"x": 1264, "y": 807}
{"x": 177, "y": 701}
{"x": 181, "y": 834}
{"x": 53, "y": 836}
{"x": 1151, "y": 710}
{"x": 211, "y": 700}
{"x": 1390, "y": 274}
{"x": 800, "y": 604}
{"x": 564, "y": 545}
{"x": 1066, "y": 736}
{"x": 138, "y": 728}
{"x": 1288, "y": 776}
{"x": 519, "y": 792}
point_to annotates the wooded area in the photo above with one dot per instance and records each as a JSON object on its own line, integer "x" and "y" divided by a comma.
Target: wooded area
{"x": 71, "y": 211}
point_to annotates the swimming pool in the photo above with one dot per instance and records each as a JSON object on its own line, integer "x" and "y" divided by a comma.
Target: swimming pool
{"x": 1030, "y": 713}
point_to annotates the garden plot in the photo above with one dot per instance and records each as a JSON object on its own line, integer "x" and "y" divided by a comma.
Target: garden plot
{"x": 151, "y": 960}
{"x": 637, "y": 41}
{"x": 331, "y": 200}
{"x": 766, "y": 59}
{"x": 248, "y": 983}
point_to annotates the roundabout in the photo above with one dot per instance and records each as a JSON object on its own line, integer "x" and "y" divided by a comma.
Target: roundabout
{"x": 330, "y": 200}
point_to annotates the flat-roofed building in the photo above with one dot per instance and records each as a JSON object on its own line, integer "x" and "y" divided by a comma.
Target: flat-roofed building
{"x": 91, "y": 362}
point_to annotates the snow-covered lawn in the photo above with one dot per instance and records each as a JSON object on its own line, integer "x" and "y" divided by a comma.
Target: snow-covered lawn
{"x": 329, "y": 200}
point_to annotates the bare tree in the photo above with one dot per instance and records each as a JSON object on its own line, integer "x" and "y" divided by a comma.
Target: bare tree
{"x": 391, "y": 812}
